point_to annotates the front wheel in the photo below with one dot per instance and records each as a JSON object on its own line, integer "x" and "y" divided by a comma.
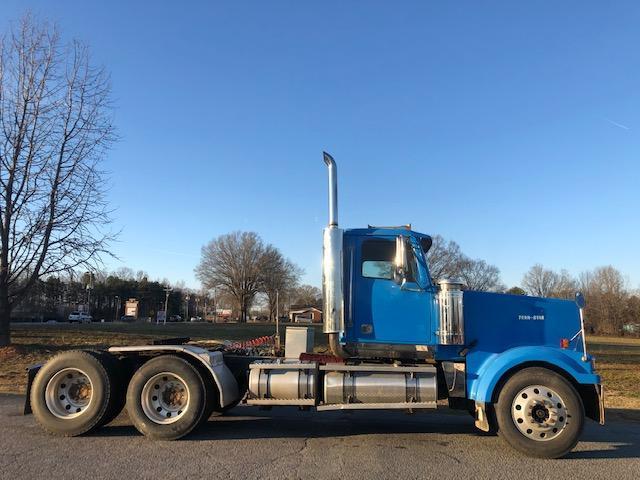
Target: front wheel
{"x": 166, "y": 398}
{"x": 539, "y": 413}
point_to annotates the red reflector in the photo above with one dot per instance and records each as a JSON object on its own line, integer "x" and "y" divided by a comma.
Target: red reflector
{"x": 564, "y": 343}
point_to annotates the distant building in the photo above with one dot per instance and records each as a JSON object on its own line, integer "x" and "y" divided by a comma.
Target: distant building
{"x": 131, "y": 308}
{"x": 222, "y": 315}
{"x": 305, "y": 314}
{"x": 632, "y": 328}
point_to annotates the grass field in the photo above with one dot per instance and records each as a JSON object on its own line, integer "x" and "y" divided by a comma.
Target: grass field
{"x": 617, "y": 359}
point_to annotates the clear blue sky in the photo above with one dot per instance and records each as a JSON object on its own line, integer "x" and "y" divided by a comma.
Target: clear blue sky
{"x": 510, "y": 128}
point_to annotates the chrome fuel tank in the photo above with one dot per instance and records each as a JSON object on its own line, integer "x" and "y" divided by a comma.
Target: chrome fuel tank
{"x": 380, "y": 386}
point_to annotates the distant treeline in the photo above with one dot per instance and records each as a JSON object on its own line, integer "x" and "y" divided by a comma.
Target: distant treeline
{"x": 611, "y": 304}
{"x": 104, "y": 293}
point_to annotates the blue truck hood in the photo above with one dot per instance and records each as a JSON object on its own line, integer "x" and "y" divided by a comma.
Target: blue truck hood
{"x": 497, "y": 322}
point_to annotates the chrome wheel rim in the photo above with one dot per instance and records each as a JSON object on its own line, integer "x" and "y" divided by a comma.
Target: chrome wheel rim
{"x": 539, "y": 413}
{"x": 165, "y": 398}
{"x": 69, "y": 393}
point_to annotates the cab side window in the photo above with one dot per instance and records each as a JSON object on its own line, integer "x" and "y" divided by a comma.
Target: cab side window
{"x": 377, "y": 258}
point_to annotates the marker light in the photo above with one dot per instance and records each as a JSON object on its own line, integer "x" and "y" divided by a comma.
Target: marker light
{"x": 564, "y": 343}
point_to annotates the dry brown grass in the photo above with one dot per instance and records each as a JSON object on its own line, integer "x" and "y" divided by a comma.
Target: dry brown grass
{"x": 618, "y": 362}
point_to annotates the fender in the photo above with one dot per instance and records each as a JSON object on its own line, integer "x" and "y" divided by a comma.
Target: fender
{"x": 484, "y": 370}
{"x": 212, "y": 361}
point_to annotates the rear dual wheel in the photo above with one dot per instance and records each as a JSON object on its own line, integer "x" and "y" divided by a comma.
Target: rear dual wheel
{"x": 76, "y": 392}
{"x": 166, "y": 398}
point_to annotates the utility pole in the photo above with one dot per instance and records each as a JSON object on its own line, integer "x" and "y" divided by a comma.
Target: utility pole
{"x": 277, "y": 321}
{"x": 89, "y": 287}
{"x": 167, "y": 290}
{"x": 215, "y": 304}
{"x": 117, "y": 308}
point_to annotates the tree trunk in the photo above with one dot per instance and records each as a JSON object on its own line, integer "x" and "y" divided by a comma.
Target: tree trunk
{"x": 5, "y": 317}
{"x": 243, "y": 310}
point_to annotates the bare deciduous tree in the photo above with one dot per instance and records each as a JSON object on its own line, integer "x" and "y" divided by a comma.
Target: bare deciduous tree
{"x": 446, "y": 260}
{"x": 232, "y": 262}
{"x": 479, "y": 275}
{"x": 55, "y": 127}
{"x": 443, "y": 258}
{"x": 542, "y": 282}
{"x": 279, "y": 276}
{"x": 539, "y": 281}
{"x": 607, "y": 300}
{"x": 609, "y": 303}
{"x": 307, "y": 295}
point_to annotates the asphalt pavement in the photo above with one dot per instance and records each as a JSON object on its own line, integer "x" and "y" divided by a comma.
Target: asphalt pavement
{"x": 287, "y": 443}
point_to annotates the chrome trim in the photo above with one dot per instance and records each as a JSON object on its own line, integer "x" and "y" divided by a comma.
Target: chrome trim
{"x": 332, "y": 285}
{"x": 377, "y": 406}
{"x": 539, "y": 413}
{"x": 165, "y": 398}
{"x": 600, "y": 393}
{"x": 406, "y": 226}
{"x": 451, "y": 324}
{"x": 379, "y": 386}
{"x": 332, "y": 168}
{"x": 340, "y": 367}
{"x": 584, "y": 338}
{"x": 282, "y": 383}
{"x": 69, "y": 393}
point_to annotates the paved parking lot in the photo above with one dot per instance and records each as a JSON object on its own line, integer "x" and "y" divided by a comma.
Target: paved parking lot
{"x": 286, "y": 443}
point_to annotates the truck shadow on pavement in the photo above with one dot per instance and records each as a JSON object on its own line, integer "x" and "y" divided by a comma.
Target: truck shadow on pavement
{"x": 621, "y": 440}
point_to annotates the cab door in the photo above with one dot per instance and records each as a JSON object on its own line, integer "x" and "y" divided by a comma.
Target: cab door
{"x": 383, "y": 310}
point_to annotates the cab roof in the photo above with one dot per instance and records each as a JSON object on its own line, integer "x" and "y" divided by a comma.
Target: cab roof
{"x": 389, "y": 231}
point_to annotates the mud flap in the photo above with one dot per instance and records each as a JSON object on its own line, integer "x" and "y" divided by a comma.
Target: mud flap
{"x": 482, "y": 423}
{"x": 31, "y": 374}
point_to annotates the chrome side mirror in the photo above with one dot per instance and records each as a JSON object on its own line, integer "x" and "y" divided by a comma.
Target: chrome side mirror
{"x": 400, "y": 262}
{"x": 580, "y": 301}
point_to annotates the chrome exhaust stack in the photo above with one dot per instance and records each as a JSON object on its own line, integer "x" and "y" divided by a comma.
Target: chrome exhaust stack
{"x": 332, "y": 169}
{"x": 332, "y": 284}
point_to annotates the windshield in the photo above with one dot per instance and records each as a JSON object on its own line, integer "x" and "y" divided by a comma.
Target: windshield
{"x": 425, "y": 245}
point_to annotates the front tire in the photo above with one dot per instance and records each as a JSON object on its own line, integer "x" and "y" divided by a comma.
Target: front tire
{"x": 166, "y": 398}
{"x": 539, "y": 413}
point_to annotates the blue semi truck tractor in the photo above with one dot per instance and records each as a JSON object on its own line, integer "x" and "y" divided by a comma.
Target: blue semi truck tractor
{"x": 399, "y": 340}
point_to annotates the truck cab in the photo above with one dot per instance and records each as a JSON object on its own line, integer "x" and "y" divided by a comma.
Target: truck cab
{"x": 385, "y": 305}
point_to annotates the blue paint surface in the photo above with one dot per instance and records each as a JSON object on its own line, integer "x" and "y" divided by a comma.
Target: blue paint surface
{"x": 501, "y": 331}
{"x": 378, "y": 309}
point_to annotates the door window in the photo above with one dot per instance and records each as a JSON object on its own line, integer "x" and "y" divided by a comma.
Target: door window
{"x": 377, "y": 258}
